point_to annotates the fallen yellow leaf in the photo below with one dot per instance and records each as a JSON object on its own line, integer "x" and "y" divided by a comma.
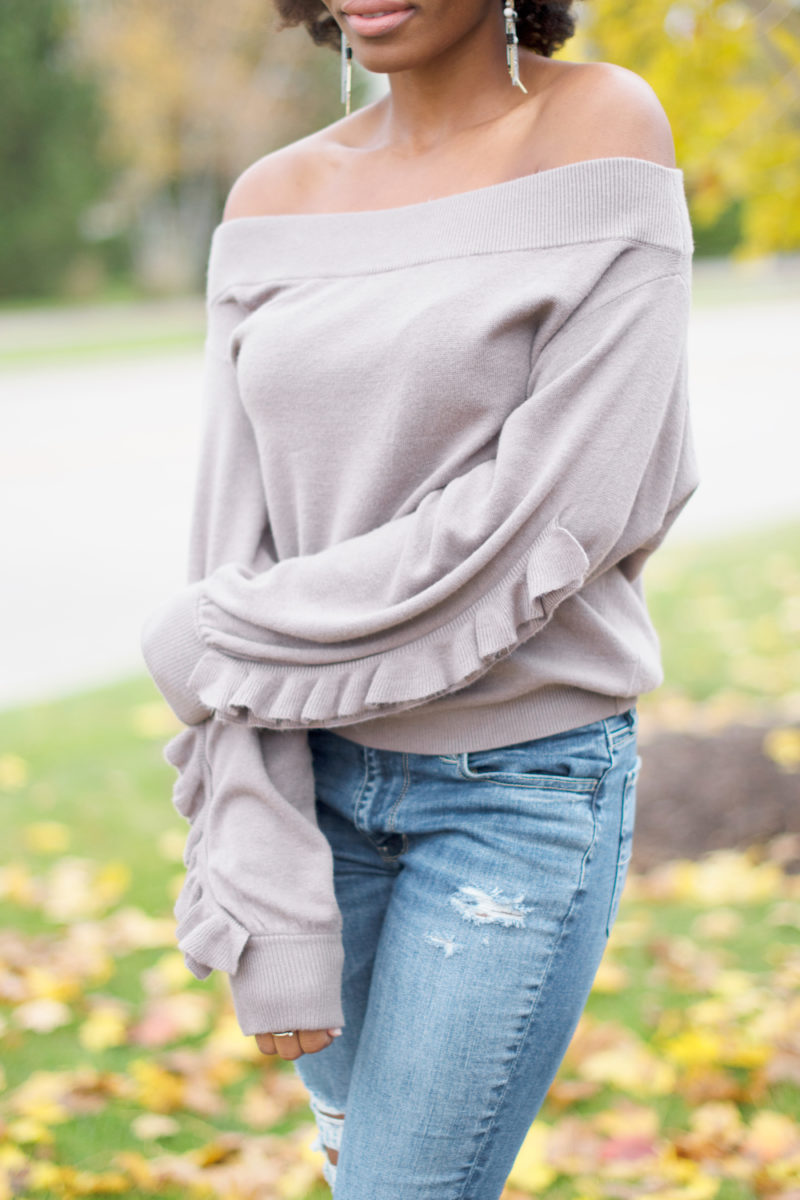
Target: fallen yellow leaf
{"x": 771, "y": 1135}
{"x": 42, "y": 1015}
{"x": 611, "y": 977}
{"x": 782, "y": 746}
{"x": 158, "y": 1089}
{"x": 167, "y": 974}
{"x": 26, "y": 1130}
{"x": 85, "y": 1183}
{"x": 41, "y": 1097}
{"x": 13, "y": 772}
{"x": 105, "y": 1026}
{"x": 46, "y": 837}
{"x": 530, "y": 1171}
{"x": 40, "y": 982}
{"x": 18, "y": 885}
{"x": 149, "y": 1126}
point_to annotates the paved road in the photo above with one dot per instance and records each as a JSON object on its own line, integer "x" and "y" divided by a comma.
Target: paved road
{"x": 97, "y": 462}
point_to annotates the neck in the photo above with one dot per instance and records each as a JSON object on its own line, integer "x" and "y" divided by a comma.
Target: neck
{"x": 464, "y": 87}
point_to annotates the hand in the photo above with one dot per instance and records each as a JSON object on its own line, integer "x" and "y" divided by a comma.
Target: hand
{"x": 304, "y": 1041}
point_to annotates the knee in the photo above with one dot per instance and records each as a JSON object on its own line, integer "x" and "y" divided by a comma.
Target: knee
{"x": 330, "y": 1124}
{"x": 334, "y": 1151}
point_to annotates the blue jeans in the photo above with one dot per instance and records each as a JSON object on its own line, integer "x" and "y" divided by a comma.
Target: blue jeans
{"x": 477, "y": 892}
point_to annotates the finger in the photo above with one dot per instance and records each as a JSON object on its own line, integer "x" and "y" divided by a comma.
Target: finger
{"x": 288, "y": 1048}
{"x": 266, "y": 1043}
{"x": 312, "y": 1040}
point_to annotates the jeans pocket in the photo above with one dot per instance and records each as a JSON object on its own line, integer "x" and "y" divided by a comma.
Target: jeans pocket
{"x": 625, "y": 848}
{"x": 568, "y": 765}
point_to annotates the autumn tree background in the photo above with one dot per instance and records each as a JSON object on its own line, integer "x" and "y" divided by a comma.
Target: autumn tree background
{"x": 728, "y": 75}
{"x": 126, "y": 121}
{"x": 186, "y": 94}
{"x": 50, "y": 167}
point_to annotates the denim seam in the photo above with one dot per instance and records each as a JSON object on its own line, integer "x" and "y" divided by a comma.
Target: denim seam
{"x": 628, "y": 784}
{"x": 362, "y": 790}
{"x": 536, "y": 1000}
{"x": 392, "y": 818}
{"x": 533, "y": 782}
{"x": 617, "y": 738}
{"x": 540, "y": 782}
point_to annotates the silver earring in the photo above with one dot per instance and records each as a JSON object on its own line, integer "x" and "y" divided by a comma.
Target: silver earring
{"x": 347, "y": 71}
{"x": 512, "y": 44}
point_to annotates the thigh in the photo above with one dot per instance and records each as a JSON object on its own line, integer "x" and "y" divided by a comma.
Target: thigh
{"x": 363, "y": 881}
{"x": 491, "y": 941}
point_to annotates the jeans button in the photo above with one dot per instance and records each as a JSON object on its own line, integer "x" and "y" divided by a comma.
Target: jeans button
{"x": 393, "y": 845}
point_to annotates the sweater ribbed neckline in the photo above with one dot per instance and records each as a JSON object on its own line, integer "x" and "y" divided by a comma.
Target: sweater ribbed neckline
{"x": 621, "y": 197}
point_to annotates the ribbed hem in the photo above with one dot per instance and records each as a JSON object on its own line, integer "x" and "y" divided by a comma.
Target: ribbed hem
{"x": 633, "y": 199}
{"x": 171, "y": 648}
{"x": 285, "y": 982}
{"x": 542, "y": 713}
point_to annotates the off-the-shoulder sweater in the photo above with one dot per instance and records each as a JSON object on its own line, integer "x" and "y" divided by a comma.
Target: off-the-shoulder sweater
{"x": 440, "y": 442}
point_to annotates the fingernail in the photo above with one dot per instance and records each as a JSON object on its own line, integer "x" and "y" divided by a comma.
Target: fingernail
{"x": 335, "y": 1032}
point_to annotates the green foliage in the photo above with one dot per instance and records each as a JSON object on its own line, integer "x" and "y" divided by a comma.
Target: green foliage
{"x": 48, "y": 147}
{"x": 728, "y": 75}
{"x": 721, "y": 236}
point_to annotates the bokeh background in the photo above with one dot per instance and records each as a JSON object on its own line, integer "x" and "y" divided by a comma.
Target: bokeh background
{"x": 123, "y": 124}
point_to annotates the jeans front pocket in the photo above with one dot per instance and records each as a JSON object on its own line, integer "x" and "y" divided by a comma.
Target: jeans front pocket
{"x": 627, "y": 821}
{"x": 565, "y": 765}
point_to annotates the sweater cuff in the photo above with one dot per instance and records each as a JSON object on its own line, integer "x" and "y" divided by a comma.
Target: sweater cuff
{"x": 171, "y": 647}
{"x": 289, "y": 982}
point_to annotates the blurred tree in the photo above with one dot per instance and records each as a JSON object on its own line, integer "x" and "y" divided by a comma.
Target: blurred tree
{"x": 49, "y": 137}
{"x": 196, "y": 91}
{"x": 728, "y": 75}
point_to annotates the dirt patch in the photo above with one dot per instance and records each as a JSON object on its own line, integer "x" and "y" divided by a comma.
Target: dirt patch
{"x": 701, "y": 792}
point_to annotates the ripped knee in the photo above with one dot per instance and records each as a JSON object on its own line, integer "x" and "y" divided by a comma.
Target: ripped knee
{"x": 330, "y": 1125}
{"x": 332, "y": 1151}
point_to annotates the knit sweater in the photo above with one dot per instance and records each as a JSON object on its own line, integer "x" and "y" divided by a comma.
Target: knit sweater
{"x": 440, "y": 442}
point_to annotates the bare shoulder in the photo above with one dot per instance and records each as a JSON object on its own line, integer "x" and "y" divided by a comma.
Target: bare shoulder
{"x": 604, "y": 110}
{"x": 276, "y": 182}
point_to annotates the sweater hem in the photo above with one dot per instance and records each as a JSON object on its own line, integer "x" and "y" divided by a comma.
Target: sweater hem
{"x": 542, "y": 713}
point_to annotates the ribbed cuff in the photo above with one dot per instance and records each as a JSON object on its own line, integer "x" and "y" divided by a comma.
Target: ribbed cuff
{"x": 289, "y": 982}
{"x": 171, "y": 647}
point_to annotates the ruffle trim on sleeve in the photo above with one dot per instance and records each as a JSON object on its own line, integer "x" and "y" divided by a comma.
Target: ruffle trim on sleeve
{"x": 271, "y": 695}
{"x": 208, "y": 936}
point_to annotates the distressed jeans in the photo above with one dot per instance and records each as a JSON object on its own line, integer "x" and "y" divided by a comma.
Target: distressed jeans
{"x": 477, "y": 892}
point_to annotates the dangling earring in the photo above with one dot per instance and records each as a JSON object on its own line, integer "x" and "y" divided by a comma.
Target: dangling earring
{"x": 512, "y": 43}
{"x": 347, "y": 71}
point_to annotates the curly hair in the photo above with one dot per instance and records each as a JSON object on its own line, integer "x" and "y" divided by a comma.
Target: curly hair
{"x": 542, "y": 25}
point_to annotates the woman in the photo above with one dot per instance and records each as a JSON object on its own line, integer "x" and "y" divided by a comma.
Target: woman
{"x": 446, "y": 424}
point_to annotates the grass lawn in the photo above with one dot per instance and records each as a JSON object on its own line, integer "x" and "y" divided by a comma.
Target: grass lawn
{"x": 125, "y": 1076}
{"x": 727, "y": 611}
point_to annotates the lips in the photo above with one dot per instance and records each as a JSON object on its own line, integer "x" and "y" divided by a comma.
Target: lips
{"x": 362, "y": 7}
{"x": 369, "y": 18}
{"x": 381, "y": 20}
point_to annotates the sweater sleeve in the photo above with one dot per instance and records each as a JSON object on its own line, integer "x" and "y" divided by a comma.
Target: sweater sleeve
{"x": 257, "y": 900}
{"x": 587, "y": 474}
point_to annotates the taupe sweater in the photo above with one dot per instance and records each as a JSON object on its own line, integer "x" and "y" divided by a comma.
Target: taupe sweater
{"x": 440, "y": 442}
